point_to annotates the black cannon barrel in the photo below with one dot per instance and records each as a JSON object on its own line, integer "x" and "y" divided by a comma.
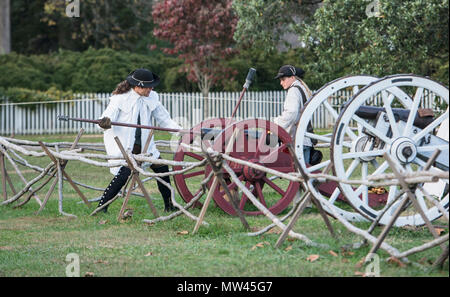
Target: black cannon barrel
{"x": 400, "y": 114}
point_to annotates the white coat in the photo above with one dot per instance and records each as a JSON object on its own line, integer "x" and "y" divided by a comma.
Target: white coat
{"x": 125, "y": 108}
{"x": 290, "y": 116}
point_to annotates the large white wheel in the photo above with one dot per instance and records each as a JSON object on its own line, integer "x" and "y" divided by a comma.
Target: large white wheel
{"x": 324, "y": 102}
{"x": 363, "y": 133}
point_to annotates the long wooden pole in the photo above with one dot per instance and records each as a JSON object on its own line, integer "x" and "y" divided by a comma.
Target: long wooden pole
{"x": 248, "y": 81}
{"x": 65, "y": 118}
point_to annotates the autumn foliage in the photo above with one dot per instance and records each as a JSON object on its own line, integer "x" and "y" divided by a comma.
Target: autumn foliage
{"x": 201, "y": 33}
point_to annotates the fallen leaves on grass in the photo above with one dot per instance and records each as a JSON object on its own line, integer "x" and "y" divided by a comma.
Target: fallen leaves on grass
{"x": 89, "y": 274}
{"x": 128, "y": 214}
{"x": 312, "y": 258}
{"x": 360, "y": 263}
{"x": 288, "y": 248}
{"x": 101, "y": 262}
{"x": 346, "y": 253}
{"x": 333, "y": 253}
{"x": 260, "y": 245}
{"x": 102, "y": 222}
{"x": 396, "y": 261}
{"x": 149, "y": 254}
{"x": 274, "y": 230}
{"x": 184, "y": 232}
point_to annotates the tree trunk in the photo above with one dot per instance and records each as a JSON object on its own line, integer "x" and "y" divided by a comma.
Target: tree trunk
{"x": 5, "y": 27}
{"x": 205, "y": 94}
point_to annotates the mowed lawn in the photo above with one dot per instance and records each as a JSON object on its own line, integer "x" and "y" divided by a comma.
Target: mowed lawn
{"x": 37, "y": 245}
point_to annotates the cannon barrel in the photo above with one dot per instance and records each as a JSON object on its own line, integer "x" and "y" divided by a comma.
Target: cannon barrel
{"x": 400, "y": 114}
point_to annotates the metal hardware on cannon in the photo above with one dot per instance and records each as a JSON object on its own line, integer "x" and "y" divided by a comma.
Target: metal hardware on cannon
{"x": 403, "y": 149}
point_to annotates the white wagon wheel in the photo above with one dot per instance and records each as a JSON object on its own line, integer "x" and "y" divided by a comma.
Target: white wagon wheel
{"x": 321, "y": 103}
{"x": 363, "y": 133}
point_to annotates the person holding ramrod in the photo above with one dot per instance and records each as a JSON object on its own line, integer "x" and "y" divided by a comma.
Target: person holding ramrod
{"x": 134, "y": 102}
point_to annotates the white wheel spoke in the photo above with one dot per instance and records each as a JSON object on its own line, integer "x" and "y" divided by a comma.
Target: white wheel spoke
{"x": 419, "y": 162}
{"x": 331, "y": 110}
{"x": 347, "y": 144}
{"x": 430, "y": 127}
{"x": 420, "y": 198}
{"x": 387, "y": 104}
{"x": 334, "y": 196}
{"x": 413, "y": 112}
{"x": 432, "y": 148}
{"x": 392, "y": 193}
{"x": 318, "y": 137}
{"x": 351, "y": 168}
{"x": 375, "y": 163}
{"x": 381, "y": 168}
{"x": 318, "y": 166}
{"x": 335, "y": 116}
{"x": 404, "y": 98}
{"x": 365, "y": 194}
{"x": 363, "y": 154}
{"x": 360, "y": 130}
{"x": 372, "y": 129}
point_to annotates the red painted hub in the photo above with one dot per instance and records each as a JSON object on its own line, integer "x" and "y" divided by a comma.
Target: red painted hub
{"x": 252, "y": 174}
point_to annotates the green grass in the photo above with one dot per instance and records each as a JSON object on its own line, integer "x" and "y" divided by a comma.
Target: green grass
{"x": 37, "y": 245}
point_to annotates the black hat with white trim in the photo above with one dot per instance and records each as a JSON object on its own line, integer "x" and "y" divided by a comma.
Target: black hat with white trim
{"x": 143, "y": 78}
{"x": 289, "y": 70}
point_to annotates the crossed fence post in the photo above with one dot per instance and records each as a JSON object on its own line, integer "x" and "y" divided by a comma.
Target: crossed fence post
{"x": 233, "y": 199}
{"x": 214, "y": 184}
{"x": 135, "y": 178}
{"x": 60, "y": 165}
{"x": 409, "y": 197}
{"x": 63, "y": 165}
{"x": 307, "y": 197}
{"x": 5, "y": 176}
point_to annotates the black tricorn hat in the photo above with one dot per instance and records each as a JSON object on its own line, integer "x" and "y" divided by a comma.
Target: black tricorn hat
{"x": 143, "y": 78}
{"x": 289, "y": 70}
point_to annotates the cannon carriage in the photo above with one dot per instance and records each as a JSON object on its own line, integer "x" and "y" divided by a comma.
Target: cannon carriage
{"x": 362, "y": 132}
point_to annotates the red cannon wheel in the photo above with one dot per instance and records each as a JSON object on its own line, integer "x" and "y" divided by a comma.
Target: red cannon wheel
{"x": 188, "y": 183}
{"x": 252, "y": 143}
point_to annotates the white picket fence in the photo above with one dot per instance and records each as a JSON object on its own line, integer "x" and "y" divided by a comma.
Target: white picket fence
{"x": 185, "y": 108}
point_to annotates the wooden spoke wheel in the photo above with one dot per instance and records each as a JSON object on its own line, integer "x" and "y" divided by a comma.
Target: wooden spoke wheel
{"x": 252, "y": 143}
{"x": 326, "y": 102}
{"x": 399, "y": 126}
{"x": 188, "y": 183}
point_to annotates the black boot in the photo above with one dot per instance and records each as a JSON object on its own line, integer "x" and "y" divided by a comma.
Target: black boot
{"x": 114, "y": 186}
{"x": 165, "y": 191}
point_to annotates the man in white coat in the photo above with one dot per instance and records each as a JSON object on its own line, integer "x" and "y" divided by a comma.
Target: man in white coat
{"x": 297, "y": 94}
{"x": 135, "y": 102}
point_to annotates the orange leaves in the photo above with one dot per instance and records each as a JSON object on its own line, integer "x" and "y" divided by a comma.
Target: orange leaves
{"x": 332, "y": 253}
{"x": 312, "y": 258}
{"x": 260, "y": 245}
